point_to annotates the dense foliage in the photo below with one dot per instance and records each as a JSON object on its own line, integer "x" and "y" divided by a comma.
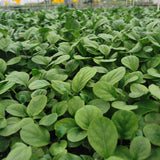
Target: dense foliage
{"x": 80, "y": 84}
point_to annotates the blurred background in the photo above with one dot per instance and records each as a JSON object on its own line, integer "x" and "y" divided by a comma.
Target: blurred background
{"x": 8, "y": 4}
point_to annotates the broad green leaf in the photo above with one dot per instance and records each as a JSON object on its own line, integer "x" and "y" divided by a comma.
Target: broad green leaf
{"x": 64, "y": 48}
{"x": 60, "y": 87}
{"x": 99, "y": 60}
{"x": 39, "y": 92}
{"x": 102, "y": 105}
{"x": 152, "y": 132}
{"x": 14, "y": 60}
{"x": 114, "y": 158}
{"x": 52, "y": 37}
{"x": 35, "y": 135}
{"x": 20, "y": 151}
{"x": 103, "y": 136}
{"x": 29, "y": 33}
{"x": 26, "y": 121}
{"x": 3, "y": 66}
{"x": 15, "y": 47}
{"x": 79, "y": 57}
{"x": 105, "y": 36}
{"x": 136, "y": 77}
{"x": 90, "y": 45}
{"x": 153, "y": 72}
{"x": 154, "y": 38}
{"x": 23, "y": 96}
{"x": 37, "y": 84}
{"x": 105, "y": 91}
{"x": 13, "y": 125}
{"x": 130, "y": 79}
{"x": 153, "y": 61}
{"x": 4, "y": 43}
{"x": 3, "y": 122}
{"x": 84, "y": 116}
{"x": 114, "y": 76}
{"x": 136, "y": 48}
{"x": 140, "y": 148}
{"x": 100, "y": 23}
{"x": 5, "y": 86}
{"x": 60, "y": 60}
{"x": 86, "y": 157}
{"x": 66, "y": 156}
{"x": 58, "y": 147}
{"x": 152, "y": 118}
{"x": 155, "y": 154}
{"x": 104, "y": 49}
{"x": 126, "y": 123}
{"x": 74, "y": 104}
{"x": 72, "y": 24}
{"x": 131, "y": 62}
{"x": 60, "y": 131}
{"x": 18, "y": 110}
{"x": 148, "y": 49}
{"x": 48, "y": 120}
{"x": 41, "y": 60}
{"x": 71, "y": 65}
{"x": 18, "y": 77}
{"x": 123, "y": 106}
{"x": 60, "y": 108}
{"x": 155, "y": 90}
{"x": 137, "y": 90}
{"x": 76, "y": 134}
{"x": 56, "y": 74}
{"x": 4, "y": 104}
{"x": 123, "y": 152}
{"x": 36, "y": 105}
{"x": 146, "y": 106}
{"x": 38, "y": 153}
{"x": 100, "y": 69}
{"x": 68, "y": 123}
{"x": 82, "y": 77}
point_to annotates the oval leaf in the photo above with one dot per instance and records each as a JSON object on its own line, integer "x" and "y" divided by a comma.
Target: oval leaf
{"x": 155, "y": 90}
{"x": 35, "y": 135}
{"x": 103, "y": 136}
{"x": 114, "y": 76}
{"x": 84, "y": 116}
{"x": 13, "y": 125}
{"x": 153, "y": 118}
{"x": 131, "y": 62}
{"x": 126, "y": 123}
{"x": 14, "y": 60}
{"x": 20, "y": 151}
{"x": 49, "y": 119}
{"x": 37, "y": 84}
{"x": 5, "y": 86}
{"x": 75, "y": 134}
{"x": 58, "y": 147}
{"x": 74, "y": 104}
{"x": 102, "y": 105}
{"x": 18, "y": 77}
{"x": 60, "y": 108}
{"x": 140, "y": 148}
{"x": 3, "y": 66}
{"x": 36, "y": 105}
{"x": 152, "y": 132}
{"x": 137, "y": 90}
{"x": 105, "y": 91}
{"x": 82, "y": 77}
{"x": 123, "y": 106}
{"x": 18, "y": 110}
